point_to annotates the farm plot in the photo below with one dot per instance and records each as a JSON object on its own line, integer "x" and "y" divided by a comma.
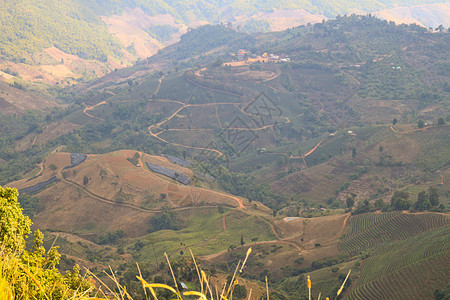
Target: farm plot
{"x": 38, "y": 187}
{"x": 169, "y": 173}
{"x": 409, "y": 269}
{"x": 369, "y": 230}
{"x": 177, "y": 160}
{"x": 75, "y": 160}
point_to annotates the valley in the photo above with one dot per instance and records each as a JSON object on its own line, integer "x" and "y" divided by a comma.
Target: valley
{"x": 334, "y": 160}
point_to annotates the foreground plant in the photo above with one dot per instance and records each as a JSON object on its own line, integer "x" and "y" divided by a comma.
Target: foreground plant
{"x": 207, "y": 291}
{"x": 32, "y": 274}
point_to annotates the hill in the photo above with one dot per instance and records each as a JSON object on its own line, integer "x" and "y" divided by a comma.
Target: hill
{"x": 306, "y": 144}
{"x": 431, "y": 15}
{"x": 112, "y": 184}
{"x": 92, "y": 38}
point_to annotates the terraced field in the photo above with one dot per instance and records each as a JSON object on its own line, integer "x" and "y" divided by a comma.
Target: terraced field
{"x": 369, "y": 230}
{"x": 408, "y": 269}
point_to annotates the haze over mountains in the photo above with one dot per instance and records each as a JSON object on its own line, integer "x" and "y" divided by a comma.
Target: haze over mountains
{"x": 92, "y": 38}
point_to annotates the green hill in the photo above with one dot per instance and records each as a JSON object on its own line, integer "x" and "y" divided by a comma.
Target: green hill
{"x": 412, "y": 268}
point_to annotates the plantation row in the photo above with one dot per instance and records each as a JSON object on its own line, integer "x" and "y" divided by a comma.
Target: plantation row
{"x": 404, "y": 253}
{"x": 398, "y": 227}
{"x": 417, "y": 281}
{"x": 362, "y": 222}
{"x": 38, "y": 186}
{"x": 75, "y": 160}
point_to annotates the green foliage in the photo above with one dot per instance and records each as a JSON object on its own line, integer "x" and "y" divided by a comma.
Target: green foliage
{"x": 168, "y": 220}
{"x": 111, "y": 237}
{"x": 433, "y": 196}
{"x": 399, "y": 200}
{"x": 240, "y": 291}
{"x": 443, "y": 294}
{"x": 204, "y": 39}
{"x": 14, "y": 226}
{"x": 421, "y": 123}
{"x": 162, "y": 33}
{"x": 29, "y": 203}
{"x": 423, "y": 203}
{"x": 350, "y": 201}
{"x": 29, "y": 27}
{"x": 253, "y": 26}
{"x": 32, "y": 274}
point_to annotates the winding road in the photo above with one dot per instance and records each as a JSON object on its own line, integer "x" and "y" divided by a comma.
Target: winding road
{"x": 92, "y": 107}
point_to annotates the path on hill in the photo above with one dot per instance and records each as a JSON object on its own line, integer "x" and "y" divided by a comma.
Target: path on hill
{"x": 443, "y": 175}
{"x": 211, "y": 89}
{"x": 156, "y": 135}
{"x": 159, "y": 85}
{"x": 34, "y": 141}
{"x": 339, "y": 233}
{"x": 417, "y": 129}
{"x": 128, "y": 205}
{"x": 210, "y": 257}
{"x": 309, "y": 152}
{"x": 302, "y": 156}
{"x": 41, "y": 168}
{"x": 92, "y": 107}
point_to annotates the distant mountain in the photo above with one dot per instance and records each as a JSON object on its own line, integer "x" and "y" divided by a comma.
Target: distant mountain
{"x": 431, "y": 15}
{"x": 88, "y": 39}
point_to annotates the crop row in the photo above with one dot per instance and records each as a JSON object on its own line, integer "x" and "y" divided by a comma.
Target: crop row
{"x": 397, "y": 227}
{"x": 397, "y": 255}
{"x": 180, "y": 177}
{"x": 362, "y": 222}
{"x": 417, "y": 281}
{"x": 38, "y": 187}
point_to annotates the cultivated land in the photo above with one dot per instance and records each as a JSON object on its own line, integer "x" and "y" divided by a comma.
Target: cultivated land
{"x": 277, "y": 151}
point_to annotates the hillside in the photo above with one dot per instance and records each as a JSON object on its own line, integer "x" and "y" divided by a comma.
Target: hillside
{"x": 110, "y": 185}
{"x": 92, "y": 38}
{"x": 431, "y": 15}
{"x": 323, "y": 147}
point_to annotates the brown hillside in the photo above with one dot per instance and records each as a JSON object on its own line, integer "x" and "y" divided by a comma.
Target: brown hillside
{"x": 130, "y": 28}
{"x": 16, "y": 101}
{"x": 107, "y": 192}
{"x": 427, "y": 15}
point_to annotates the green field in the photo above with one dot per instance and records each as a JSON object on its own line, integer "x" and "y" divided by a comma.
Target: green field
{"x": 203, "y": 233}
{"x": 408, "y": 269}
{"x": 367, "y": 231}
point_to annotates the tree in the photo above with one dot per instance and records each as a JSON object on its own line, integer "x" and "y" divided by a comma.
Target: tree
{"x": 239, "y": 292}
{"x": 421, "y": 123}
{"x": 18, "y": 263}
{"x": 53, "y": 167}
{"x": 379, "y": 204}
{"x": 350, "y": 202}
{"x": 167, "y": 220}
{"x": 441, "y": 121}
{"x": 14, "y": 226}
{"x": 29, "y": 203}
{"x": 353, "y": 152}
{"x": 399, "y": 200}
{"x": 242, "y": 240}
{"x": 394, "y": 121}
{"x": 433, "y": 196}
{"x": 422, "y": 202}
